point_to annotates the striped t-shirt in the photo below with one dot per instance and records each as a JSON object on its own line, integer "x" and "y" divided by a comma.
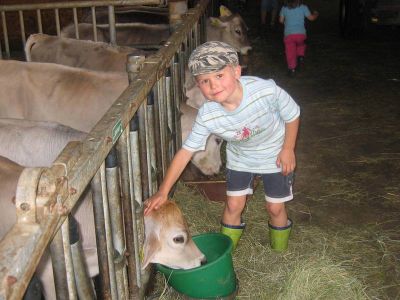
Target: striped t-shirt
{"x": 254, "y": 131}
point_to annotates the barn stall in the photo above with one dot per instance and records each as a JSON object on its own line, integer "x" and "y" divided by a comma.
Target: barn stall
{"x": 122, "y": 159}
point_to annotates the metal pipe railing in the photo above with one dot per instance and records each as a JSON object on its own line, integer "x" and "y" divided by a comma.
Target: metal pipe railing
{"x": 54, "y": 191}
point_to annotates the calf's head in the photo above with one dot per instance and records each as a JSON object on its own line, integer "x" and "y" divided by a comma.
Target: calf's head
{"x": 168, "y": 240}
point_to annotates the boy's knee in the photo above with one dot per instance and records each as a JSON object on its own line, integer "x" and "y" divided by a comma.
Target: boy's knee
{"x": 275, "y": 209}
{"x": 235, "y": 205}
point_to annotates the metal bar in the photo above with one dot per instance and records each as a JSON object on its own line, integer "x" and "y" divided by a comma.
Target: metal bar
{"x": 57, "y": 17}
{"x": 177, "y": 99}
{"x": 71, "y": 4}
{"x": 111, "y": 22}
{"x": 69, "y": 266}
{"x": 75, "y": 14}
{"x": 152, "y": 165}
{"x": 143, "y": 151}
{"x": 117, "y": 229}
{"x": 39, "y": 21}
{"x": 5, "y": 34}
{"x": 136, "y": 189}
{"x": 124, "y": 156}
{"x": 109, "y": 240}
{"x": 22, "y": 25}
{"x": 157, "y": 137}
{"x": 170, "y": 128}
{"x": 59, "y": 272}
{"x": 94, "y": 22}
{"x": 101, "y": 243}
{"x": 84, "y": 286}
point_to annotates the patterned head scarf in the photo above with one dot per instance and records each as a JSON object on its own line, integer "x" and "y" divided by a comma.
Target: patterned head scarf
{"x": 212, "y": 57}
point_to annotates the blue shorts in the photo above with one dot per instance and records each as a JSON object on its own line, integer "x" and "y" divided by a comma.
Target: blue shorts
{"x": 268, "y": 4}
{"x": 277, "y": 187}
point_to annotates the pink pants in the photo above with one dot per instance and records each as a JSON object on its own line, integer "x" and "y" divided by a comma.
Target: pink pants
{"x": 294, "y": 47}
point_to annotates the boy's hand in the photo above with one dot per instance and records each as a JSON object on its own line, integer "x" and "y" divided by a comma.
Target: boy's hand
{"x": 154, "y": 202}
{"x": 287, "y": 161}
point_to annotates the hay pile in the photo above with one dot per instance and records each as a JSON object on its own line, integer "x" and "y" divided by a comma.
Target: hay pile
{"x": 340, "y": 262}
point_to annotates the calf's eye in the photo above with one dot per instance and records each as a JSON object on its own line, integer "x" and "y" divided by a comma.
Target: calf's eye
{"x": 179, "y": 239}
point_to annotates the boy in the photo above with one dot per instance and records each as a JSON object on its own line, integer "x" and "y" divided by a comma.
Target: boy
{"x": 259, "y": 121}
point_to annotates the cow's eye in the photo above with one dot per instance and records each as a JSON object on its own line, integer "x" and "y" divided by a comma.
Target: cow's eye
{"x": 179, "y": 239}
{"x": 238, "y": 31}
{"x": 218, "y": 141}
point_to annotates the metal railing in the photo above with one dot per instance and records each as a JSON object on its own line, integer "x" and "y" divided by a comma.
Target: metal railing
{"x": 58, "y": 7}
{"x": 122, "y": 159}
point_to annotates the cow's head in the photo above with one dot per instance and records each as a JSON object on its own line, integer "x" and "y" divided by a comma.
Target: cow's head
{"x": 234, "y": 30}
{"x": 168, "y": 240}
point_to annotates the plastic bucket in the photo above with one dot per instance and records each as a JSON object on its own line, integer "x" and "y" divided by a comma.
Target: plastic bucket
{"x": 216, "y": 278}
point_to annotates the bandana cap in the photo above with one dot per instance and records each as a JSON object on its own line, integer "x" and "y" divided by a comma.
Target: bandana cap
{"x": 212, "y": 57}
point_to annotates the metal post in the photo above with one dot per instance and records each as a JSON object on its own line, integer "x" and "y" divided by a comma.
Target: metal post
{"x": 152, "y": 165}
{"x": 176, "y": 100}
{"x": 59, "y": 272}
{"x": 170, "y": 127}
{"x": 105, "y": 285}
{"x": 69, "y": 266}
{"x": 109, "y": 240}
{"x": 83, "y": 282}
{"x": 124, "y": 156}
{"x": 58, "y": 26}
{"x": 116, "y": 222}
{"x": 111, "y": 22}
{"x": 5, "y": 34}
{"x": 94, "y": 22}
{"x": 39, "y": 21}
{"x": 22, "y": 25}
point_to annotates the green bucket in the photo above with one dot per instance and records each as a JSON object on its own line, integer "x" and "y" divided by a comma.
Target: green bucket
{"x": 215, "y": 279}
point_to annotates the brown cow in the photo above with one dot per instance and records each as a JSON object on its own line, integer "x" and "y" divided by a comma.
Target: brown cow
{"x": 229, "y": 28}
{"x": 74, "y": 97}
{"x": 90, "y": 55}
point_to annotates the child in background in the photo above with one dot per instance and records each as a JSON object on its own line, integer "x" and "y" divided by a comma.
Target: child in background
{"x": 269, "y": 6}
{"x": 292, "y": 15}
{"x": 259, "y": 120}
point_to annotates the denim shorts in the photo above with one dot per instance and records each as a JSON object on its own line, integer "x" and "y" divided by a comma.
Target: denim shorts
{"x": 277, "y": 187}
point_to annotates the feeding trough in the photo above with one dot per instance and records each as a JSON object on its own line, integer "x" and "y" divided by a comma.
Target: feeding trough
{"x": 214, "y": 280}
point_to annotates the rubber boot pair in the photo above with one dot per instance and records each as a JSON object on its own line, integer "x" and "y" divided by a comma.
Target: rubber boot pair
{"x": 279, "y": 236}
{"x": 234, "y": 232}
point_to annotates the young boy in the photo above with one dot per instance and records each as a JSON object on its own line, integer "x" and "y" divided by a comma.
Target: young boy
{"x": 259, "y": 121}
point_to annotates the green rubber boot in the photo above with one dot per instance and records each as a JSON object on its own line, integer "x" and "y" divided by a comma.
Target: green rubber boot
{"x": 233, "y": 231}
{"x": 279, "y": 236}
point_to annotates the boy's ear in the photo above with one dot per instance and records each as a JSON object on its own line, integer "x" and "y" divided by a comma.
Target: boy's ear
{"x": 224, "y": 11}
{"x": 238, "y": 71}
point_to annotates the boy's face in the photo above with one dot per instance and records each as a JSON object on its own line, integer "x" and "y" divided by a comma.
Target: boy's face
{"x": 220, "y": 86}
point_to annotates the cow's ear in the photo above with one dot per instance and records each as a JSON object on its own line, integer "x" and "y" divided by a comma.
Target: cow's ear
{"x": 224, "y": 11}
{"x": 217, "y": 22}
{"x": 151, "y": 247}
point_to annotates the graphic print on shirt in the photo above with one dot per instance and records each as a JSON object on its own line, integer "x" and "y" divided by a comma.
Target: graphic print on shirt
{"x": 244, "y": 134}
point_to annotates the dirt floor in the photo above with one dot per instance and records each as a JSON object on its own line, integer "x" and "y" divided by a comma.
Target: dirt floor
{"x": 347, "y": 188}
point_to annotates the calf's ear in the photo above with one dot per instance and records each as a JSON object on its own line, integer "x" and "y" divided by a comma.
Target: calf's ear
{"x": 224, "y": 11}
{"x": 151, "y": 247}
{"x": 217, "y": 22}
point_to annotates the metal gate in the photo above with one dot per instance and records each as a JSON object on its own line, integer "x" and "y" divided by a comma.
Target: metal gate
{"x": 123, "y": 159}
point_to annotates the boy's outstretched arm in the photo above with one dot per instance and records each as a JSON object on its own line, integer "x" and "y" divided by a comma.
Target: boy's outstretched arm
{"x": 286, "y": 158}
{"x": 178, "y": 164}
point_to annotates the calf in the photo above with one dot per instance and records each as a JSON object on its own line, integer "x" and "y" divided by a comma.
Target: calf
{"x": 168, "y": 240}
